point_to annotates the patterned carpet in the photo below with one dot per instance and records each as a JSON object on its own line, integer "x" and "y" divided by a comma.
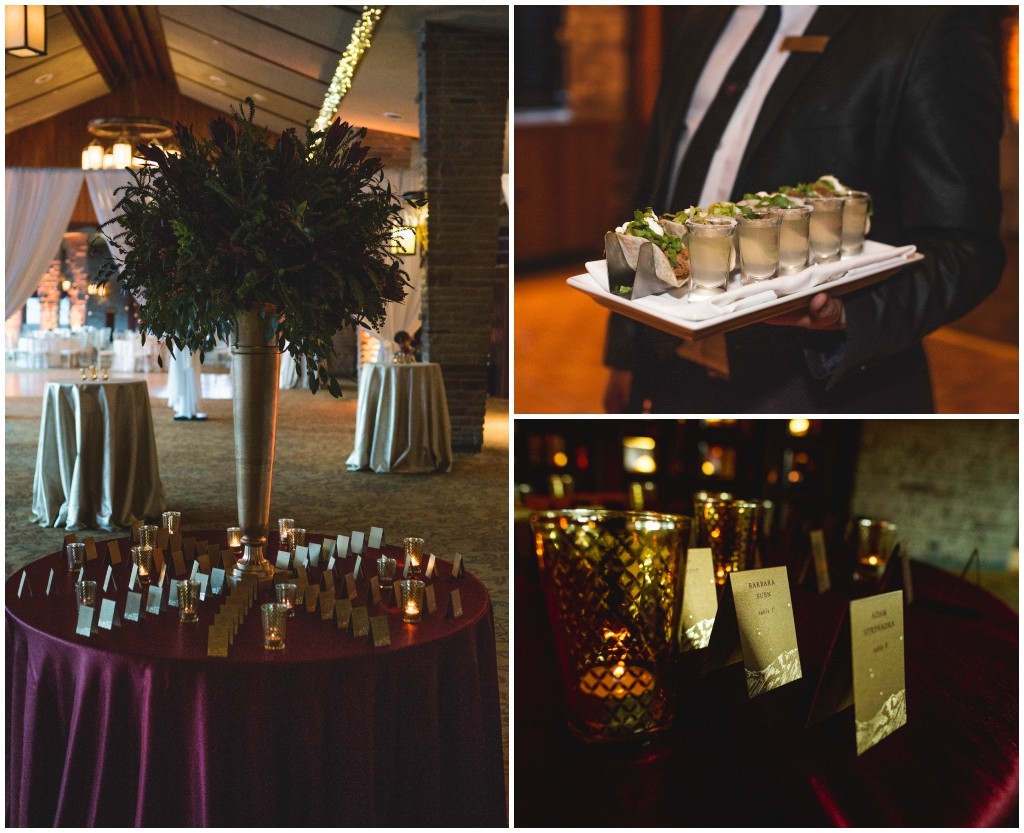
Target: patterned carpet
{"x": 464, "y": 511}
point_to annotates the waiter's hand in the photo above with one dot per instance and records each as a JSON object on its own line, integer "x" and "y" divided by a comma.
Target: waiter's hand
{"x": 823, "y": 313}
{"x": 616, "y": 392}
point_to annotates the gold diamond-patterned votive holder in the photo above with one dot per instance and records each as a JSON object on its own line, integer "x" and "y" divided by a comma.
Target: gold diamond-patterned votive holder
{"x": 85, "y": 593}
{"x": 142, "y": 557}
{"x": 410, "y": 600}
{"x": 147, "y": 535}
{"x": 76, "y": 557}
{"x": 414, "y": 549}
{"x": 188, "y": 600}
{"x": 729, "y": 528}
{"x": 288, "y": 595}
{"x": 386, "y": 571}
{"x": 613, "y": 582}
{"x": 172, "y": 522}
{"x": 274, "y": 618}
{"x": 873, "y": 541}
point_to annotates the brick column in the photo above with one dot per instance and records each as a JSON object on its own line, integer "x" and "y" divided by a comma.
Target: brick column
{"x": 463, "y": 109}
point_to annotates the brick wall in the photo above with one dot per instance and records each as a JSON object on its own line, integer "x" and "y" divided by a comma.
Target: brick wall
{"x": 463, "y": 110}
{"x": 950, "y": 485}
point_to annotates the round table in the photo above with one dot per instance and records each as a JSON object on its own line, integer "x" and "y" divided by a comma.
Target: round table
{"x": 137, "y": 726}
{"x": 402, "y": 422}
{"x": 96, "y": 466}
{"x": 729, "y": 761}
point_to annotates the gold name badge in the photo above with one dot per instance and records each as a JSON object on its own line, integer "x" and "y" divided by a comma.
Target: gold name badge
{"x": 804, "y": 43}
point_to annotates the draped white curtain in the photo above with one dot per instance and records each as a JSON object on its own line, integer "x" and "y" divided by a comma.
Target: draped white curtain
{"x": 40, "y": 202}
{"x": 102, "y": 185}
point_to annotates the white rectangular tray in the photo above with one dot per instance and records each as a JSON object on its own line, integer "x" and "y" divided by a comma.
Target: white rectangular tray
{"x": 673, "y": 313}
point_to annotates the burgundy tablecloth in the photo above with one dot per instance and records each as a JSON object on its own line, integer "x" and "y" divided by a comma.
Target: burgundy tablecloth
{"x": 733, "y": 761}
{"x": 137, "y": 726}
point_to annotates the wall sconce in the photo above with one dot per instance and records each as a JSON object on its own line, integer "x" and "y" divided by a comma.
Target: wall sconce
{"x": 25, "y": 31}
{"x": 403, "y": 240}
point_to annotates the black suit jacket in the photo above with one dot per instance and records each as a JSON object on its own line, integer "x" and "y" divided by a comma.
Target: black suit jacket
{"x": 904, "y": 102}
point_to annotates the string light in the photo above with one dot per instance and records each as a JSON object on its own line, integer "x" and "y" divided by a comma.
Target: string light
{"x": 362, "y": 33}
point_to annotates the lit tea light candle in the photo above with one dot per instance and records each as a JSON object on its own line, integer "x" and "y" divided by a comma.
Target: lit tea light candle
{"x": 411, "y": 608}
{"x": 234, "y": 536}
{"x": 410, "y": 600}
{"x": 619, "y": 699}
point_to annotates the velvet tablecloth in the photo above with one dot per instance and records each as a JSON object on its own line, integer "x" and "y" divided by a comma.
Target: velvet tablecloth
{"x": 96, "y": 466}
{"x": 402, "y": 422}
{"x": 730, "y": 761}
{"x": 137, "y": 726}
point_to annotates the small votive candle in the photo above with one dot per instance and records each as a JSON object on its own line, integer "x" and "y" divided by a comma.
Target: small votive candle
{"x": 76, "y": 557}
{"x": 142, "y": 557}
{"x": 287, "y": 594}
{"x": 274, "y": 617}
{"x": 234, "y": 536}
{"x": 172, "y": 522}
{"x": 188, "y": 600}
{"x": 414, "y": 548}
{"x": 298, "y": 538}
{"x": 147, "y": 535}
{"x": 85, "y": 593}
{"x": 410, "y": 600}
{"x": 386, "y": 571}
{"x": 284, "y": 531}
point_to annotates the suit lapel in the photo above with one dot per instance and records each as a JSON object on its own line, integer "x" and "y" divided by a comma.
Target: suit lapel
{"x": 826, "y": 21}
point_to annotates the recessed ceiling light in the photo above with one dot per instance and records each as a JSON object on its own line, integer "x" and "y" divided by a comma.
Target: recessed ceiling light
{"x": 258, "y": 96}
{"x": 216, "y": 79}
{"x": 396, "y": 116}
{"x": 45, "y": 77}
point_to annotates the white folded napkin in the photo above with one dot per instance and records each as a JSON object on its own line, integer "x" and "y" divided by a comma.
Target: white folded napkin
{"x": 756, "y": 294}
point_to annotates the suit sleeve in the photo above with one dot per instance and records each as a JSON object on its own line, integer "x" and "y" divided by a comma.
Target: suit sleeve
{"x": 945, "y": 152}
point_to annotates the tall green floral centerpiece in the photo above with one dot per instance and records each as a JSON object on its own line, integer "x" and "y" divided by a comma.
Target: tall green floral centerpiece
{"x": 271, "y": 245}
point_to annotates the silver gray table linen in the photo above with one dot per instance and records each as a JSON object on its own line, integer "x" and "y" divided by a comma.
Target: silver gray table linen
{"x": 402, "y": 422}
{"x": 96, "y": 467}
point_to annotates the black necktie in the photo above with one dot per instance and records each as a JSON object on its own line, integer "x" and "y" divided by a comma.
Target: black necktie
{"x": 705, "y": 141}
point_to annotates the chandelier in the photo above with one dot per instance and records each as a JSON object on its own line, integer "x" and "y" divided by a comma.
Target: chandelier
{"x": 115, "y": 139}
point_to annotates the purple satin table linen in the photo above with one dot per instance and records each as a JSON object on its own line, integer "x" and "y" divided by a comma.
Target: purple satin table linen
{"x": 138, "y": 727}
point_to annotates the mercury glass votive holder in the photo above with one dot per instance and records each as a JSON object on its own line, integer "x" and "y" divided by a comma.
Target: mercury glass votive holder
{"x": 274, "y": 617}
{"x": 410, "y": 599}
{"x": 386, "y": 571}
{"x": 172, "y": 522}
{"x": 284, "y": 532}
{"x": 188, "y": 600}
{"x": 287, "y": 595}
{"x": 147, "y": 535}
{"x": 729, "y": 528}
{"x": 414, "y": 549}
{"x": 76, "y": 557}
{"x": 234, "y": 537}
{"x": 85, "y": 593}
{"x": 613, "y": 584}
{"x": 298, "y": 538}
{"x": 873, "y": 541}
{"x": 142, "y": 557}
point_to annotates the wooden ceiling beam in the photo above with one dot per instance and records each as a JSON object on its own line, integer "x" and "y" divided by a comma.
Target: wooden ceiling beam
{"x": 109, "y": 33}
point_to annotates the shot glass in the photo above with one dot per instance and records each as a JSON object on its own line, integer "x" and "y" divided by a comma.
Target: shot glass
{"x": 793, "y": 238}
{"x": 414, "y": 548}
{"x": 287, "y": 595}
{"x": 85, "y": 593}
{"x": 172, "y": 522}
{"x": 142, "y": 557}
{"x": 826, "y": 228}
{"x": 410, "y": 600}
{"x": 188, "y": 600}
{"x": 710, "y": 242}
{"x": 855, "y": 222}
{"x": 386, "y": 571}
{"x": 274, "y": 617}
{"x": 76, "y": 557}
{"x": 147, "y": 535}
{"x": 759, "y": 246}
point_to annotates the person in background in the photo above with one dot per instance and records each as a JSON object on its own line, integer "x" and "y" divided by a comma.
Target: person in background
{"x": 405, "y": 351}
{"x": 903, "y": 102}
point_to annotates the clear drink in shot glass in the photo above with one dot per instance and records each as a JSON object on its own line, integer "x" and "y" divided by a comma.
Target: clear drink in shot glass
{"x": 855, "y": 222}
{"x": 710, "y": 241}
{"x": 759, "y": 245}
{"x": 826, "y": 228}
{"x": 793, "y": 238}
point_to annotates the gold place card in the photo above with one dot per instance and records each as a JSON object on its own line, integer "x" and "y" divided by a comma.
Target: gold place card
{"x": 163, "y": 575}
{"x": 71, "y": 538}
{"x": 188, "y": 547}
{"x": 358, "y": 568}
{"x": 107, "y": 578}
{"x": 114, "y": 551}
{"x": 431, "y": 566}
{"x": 133, "y": 579}
{"x": 755, "y": 624}
{"x": 350, "y": 586}
{"x": 204, "y": 564}
{"x": 201, "y": 546}
{"x": 85, "y": 617}
{"x": 342, "y": 546}
{"x": 360, "y": 621}
{"x": 700, "y": 600}
{"x": 106, "y": 620}
{"x": 204, "y": 583}
{"x": 327, "y": 548}
{"x": 217, "y": 576}
{"x": 326, "y": 604}
{"x": 154, "y": 600}
{"x": 375, "y": 590}
{"x": 177, "y": 559}
{"x": 283, "y": 560}
{"x": 90, "y": 549}
{"x": 217, "y": 642}
{"x": 458, "y": 569}
{"x": 455, "y": 604}
{"x": 311, "y": 596}
{"x": 821, "y": 573}
{"x": 314, "y": 554}
{"x": 301, "y": 554}
{"x": 866, "y": 668}
{"x": 301, "y": 575}
{"x": 172, "y": 594}
{"x": 380, "y": 631}
{"x": 158, "y": 560}
{"x": 328, "y": 580}
{"x": 23, "y": 586}
{"x": 431, "y": 597}
{"x": 227, "y": 560}
{"x": 163, "y": 539}
{"x": 49, "y": 582}
{"x": 343, "y": 612}
{"x": 133, "y": 606}
{"x": 376, "y": 541}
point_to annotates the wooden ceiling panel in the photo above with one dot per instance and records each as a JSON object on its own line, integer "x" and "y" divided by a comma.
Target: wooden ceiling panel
{"x": 50, "y": 104}
{"x": 219, "y": 101}
{"x": 328, "y": 26}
